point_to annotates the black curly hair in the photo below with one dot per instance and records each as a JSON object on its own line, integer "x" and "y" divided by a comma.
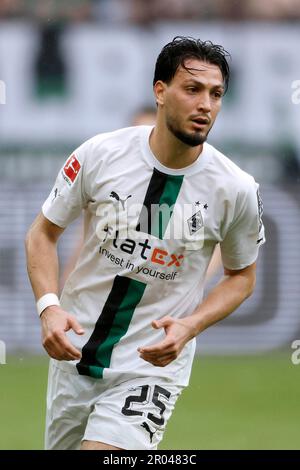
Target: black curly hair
{"x": 176, "y": 52}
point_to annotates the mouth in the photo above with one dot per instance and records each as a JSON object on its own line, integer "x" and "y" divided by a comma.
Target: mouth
{"x": 200, "y": 122}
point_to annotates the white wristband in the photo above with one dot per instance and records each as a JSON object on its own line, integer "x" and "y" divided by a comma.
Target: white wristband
{"x": 46, "y": 301}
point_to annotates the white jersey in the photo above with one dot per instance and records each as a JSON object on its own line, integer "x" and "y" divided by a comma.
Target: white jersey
{"x": 150, "y": 232}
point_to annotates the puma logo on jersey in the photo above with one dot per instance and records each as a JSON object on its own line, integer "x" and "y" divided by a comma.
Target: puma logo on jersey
{"x": 146, "y": 426}
{"x": 56, "y": 194}
{"x": 115, "y": 195}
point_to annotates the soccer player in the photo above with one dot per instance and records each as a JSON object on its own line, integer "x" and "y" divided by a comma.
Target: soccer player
{"x": 156, "y": 200}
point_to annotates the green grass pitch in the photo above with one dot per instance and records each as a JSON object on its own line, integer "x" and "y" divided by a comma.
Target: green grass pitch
{"x": 249, "y": 402}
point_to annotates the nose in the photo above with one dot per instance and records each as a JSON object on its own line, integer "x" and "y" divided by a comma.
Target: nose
{"x": 204, "y": 103}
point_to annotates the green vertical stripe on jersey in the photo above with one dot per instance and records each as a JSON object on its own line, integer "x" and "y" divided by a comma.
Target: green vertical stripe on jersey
{"x": 112, "y": 324}
{"x": 167, "y": 200}
{"x": 162, "y": 193}
{"x": 121, "y": 321}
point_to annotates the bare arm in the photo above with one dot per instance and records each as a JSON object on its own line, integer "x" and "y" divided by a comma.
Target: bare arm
{"x": 233, "y": 289}
{"x": 215, "y": 263}
{"x": 42, "y": 265}
{"x": 42, "y": 259}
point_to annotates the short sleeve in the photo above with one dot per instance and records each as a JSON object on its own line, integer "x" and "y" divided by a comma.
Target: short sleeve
{"x": 67, "y": 198}
{"x": 245, "y": 234}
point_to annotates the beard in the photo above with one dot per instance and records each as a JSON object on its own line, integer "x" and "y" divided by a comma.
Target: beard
{"x": 191, "y": 139}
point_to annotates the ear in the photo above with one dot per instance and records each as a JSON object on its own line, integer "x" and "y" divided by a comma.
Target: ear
{"x": 159, "y": 92}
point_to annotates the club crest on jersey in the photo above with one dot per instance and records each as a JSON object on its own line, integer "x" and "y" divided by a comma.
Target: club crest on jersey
{"x": 195, "y": 222}
{"x": 71, "y": 169}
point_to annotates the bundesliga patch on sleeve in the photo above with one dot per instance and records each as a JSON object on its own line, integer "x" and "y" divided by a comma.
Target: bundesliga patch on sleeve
{"x": 71, "y": 169}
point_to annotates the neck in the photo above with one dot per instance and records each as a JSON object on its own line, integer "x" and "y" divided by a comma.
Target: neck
{"x": 170, "y": 151}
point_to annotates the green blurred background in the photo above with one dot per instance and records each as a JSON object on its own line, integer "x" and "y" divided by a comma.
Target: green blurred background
{"x": 249, "y": 402}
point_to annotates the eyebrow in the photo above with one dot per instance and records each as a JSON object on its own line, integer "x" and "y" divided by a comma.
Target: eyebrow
{"x": 199, "y": 83}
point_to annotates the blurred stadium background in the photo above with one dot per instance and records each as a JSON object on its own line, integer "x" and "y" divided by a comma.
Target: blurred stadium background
{"x": 71, "y": 69}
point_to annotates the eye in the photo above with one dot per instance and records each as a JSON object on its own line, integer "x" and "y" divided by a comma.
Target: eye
{"x": 192, "y": 89}
{"x": 218, "y": 94}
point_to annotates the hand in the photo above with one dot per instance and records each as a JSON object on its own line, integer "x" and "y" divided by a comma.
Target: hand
{"x": 178, "y": 333}
{"x": 55, "y": 322}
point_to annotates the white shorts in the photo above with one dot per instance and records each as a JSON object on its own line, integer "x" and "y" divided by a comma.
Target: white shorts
{"x": 130, "y": 415}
